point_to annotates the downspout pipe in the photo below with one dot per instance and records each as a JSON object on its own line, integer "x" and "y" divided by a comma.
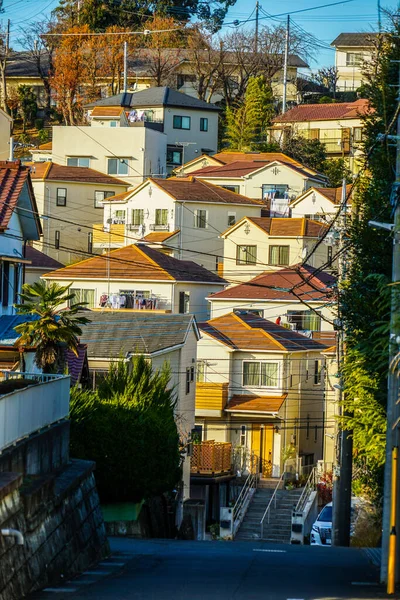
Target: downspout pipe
{"x": 15, "y": 534}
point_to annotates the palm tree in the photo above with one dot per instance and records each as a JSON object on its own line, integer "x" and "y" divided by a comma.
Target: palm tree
{"x": 55, "y": 328}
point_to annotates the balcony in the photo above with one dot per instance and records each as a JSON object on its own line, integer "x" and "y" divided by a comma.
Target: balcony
{"x": 211, "y": 397}
{"x": 115, "y": 237}
{"x": 157, "y": 227}
{"x": 41, "y": 401}
{"x": 211, "y": 458}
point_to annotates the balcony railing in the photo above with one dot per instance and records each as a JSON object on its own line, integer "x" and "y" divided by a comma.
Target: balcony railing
{"x": 211, "y": 458}
{"x": 27, "y": 410}
{"x": 156, "y": 227}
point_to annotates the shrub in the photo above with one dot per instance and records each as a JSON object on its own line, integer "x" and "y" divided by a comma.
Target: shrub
{"x": 39, "y": 124}
{"x": 43, "y": 136}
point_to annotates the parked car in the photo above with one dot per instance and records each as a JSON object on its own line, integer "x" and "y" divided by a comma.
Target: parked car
{"x": 321, "y": 531}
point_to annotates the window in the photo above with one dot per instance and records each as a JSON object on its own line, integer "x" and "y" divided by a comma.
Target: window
{"x": 161, "y": 216}
{"x": 181, "y": 80}
{"x": 201, "y": 371}
{"x": 197, "y": 433}
{"x": 184, "y": 301}
{"x": 119, "y": 217}
{"x": 174, "y": 157}
{"x": 304, "y": 320}
{"x": 188, "y": 381}
{"x": 181, "y": 122}
{"x": 99, "y": 197}
{"x": 113, "y": 123}
{"x": 82, "y": 296}
{"x": 231, "y": 188}
{"x": 243, "y": 435}
{"x": 57, "y": 236}
{"x": 353, "y": 59}
{"x": 314, "y": 134}
{"x": 329, "y": 257}
{"x": 78, "y": 161}
{"x": 317, "y": 372}
{"x": 260, "y": 374}
{"x": 272, "y": 191}
{"x": 16, "y": 282}
{"x": 279, "y": 255}
{"x": 231, "y": 218}
{"x": 203, "y": 124}
{"x": 90, "y": 242}
{"x": 117, "y": 166}
{"x": 357, "y": 134}
{"x": 5, "y": 283}
{"x": 191, "y": 373}
{"x": 61, "y": 197}
{"x": 246, "y": 255}
{"x": 137, "y": 216}
{"x": 200, "y": 219}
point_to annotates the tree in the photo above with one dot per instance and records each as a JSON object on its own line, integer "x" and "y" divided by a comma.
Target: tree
{"x": 55, "y": 328}
{"x": 328, "y": 77}
{"x": 27, "y": 104}
{"x": 310, "y": 153}
{"x": 127, "y": 426}
{"x": 336, "y": 170}
{"x": 246, "y": 125}
{"x": 162, "y": 48}
{"x": 4, "y": 57}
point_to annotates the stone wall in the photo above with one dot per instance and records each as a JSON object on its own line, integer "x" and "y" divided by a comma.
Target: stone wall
{"x": 60, "y": 518}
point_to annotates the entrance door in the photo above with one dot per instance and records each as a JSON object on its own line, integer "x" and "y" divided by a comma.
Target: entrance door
{"x": 261, "y": 446}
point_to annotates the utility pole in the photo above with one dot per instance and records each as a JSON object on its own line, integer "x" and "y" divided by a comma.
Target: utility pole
{"x": 390, "y": 523}
{"x": 343, "y": 471}
{"x": 256, "y": 32}
{"x": 285, "y": 65}
{"x": 125, "y": 67}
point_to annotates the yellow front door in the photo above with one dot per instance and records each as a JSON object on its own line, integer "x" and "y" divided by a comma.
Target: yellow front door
{"x": 261, "y": 446}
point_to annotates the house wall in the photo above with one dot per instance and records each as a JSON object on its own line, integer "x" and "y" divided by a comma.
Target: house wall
{"x": 11, "y": 244}
{"x": 80, "y": 209}
{"x": 350, "y": 77}
{"x": 331, "y": 408}
{"x": 5, "y": 133}
{"x": 144, "y": 149}
{"x": 299, "y": 248}
{"x": 315, "y": 205}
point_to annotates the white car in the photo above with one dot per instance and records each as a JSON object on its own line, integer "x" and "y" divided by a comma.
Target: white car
{"x": 321, "y": 531}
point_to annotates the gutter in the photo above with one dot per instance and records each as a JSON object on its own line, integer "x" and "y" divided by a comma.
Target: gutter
{"x": 15, "y": 534}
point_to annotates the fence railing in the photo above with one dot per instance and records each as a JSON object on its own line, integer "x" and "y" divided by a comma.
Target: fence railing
{"x": 27, "y": 410}
{"x": 39, "y": 377}
{"x": 249, "y": 485}
{"x": 310, "y": 486}
{"x": 267, "y": 513}
{"x": 211, "y": 457}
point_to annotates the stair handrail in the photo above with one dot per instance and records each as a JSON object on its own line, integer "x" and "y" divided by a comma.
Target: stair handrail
{"x": 308, "y": 488}
{"x": 273, "y": 500}
{"x": 250, "y": 483}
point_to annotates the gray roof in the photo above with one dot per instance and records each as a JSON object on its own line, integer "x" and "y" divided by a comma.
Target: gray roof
{"x": 116, "y": 334}
{"x": 363, "y": 40}
{"x": 154, "y": 96}
{"x": 8, "y": 335}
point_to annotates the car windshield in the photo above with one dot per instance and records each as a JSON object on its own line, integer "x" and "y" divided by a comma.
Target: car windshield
{"x": 326, "y": 514}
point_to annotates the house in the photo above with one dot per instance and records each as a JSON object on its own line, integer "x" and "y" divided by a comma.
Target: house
{"x": 137, "y": 278}
{"x": 190, "y": 125}
{"x": 258, "y": 244}
{"x": 338, "y": 126}
{"x": 352, "y": 50}
{"x": 300, "y": 297}
{"x": 270, "y": 181}
{"x": 194, "y": 210}
{"x": 42, "y": 153}
{"x": 19, "y": 223}
{"x": 162, "y": 339}
{"x": 260, "y": 386}
{"x": 70, "y": 200}
{"x": 39, "y": 264}
{"x": 320, "y": 204}
{"x": 5, "y": 135}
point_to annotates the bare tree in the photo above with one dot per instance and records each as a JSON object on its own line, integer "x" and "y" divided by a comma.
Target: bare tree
{"x": 162, "y": 51}
{"x": 328, "y": 77}
{"x": 4, "y": 57}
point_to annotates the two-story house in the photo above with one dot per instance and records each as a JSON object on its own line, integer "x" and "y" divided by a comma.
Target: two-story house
{"x": 276, "y": 182}
{"x": 299, "y": 297}
{"x": 189, "y": 125}
{"x": 258, "y": 244}
{"x": 137, "y": 278}
{"x": 352, "y": 50}
{"x": 338, "y": 126}
{"x": 19, "y": 223}
{"x": 260, "y": 386}
{"x": 196, "y": 211}
{"x": 320, "y": 204}
{"x": 70, "y": 200}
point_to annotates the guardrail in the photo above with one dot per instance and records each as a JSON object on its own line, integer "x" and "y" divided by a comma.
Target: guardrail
{"x": 268, "y": 509}
{"x": 27, "y": 410}
{"x": 308, "y": 488}
{"x": 249, "y": 484}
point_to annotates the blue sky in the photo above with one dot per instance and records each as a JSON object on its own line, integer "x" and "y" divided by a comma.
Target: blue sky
{"x": 325, "y": 23}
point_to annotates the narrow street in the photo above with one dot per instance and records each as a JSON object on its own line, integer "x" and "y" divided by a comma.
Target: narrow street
{"x": 179, "y": 570}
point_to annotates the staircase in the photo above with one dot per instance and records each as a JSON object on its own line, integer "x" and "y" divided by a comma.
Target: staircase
{"x": 278, "y": 529}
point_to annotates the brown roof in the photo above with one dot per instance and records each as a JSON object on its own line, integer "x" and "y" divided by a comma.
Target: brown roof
{"x": 13, "y": 177}
{"x": 107, "y": 111}
{"x": 191, "y": 189}
{"x": 335, "y": 194}
{"x": 53, "y": 172}
{"x": 241, "y": 169}
{"x": 362, "y": 40}
{"x": 258, "y": 404}
{"x": 137, "y": 262}
{"x": 229, "y": 157}
{"x": 242, "y": 330}
{"x": 277, "y": 285}
{"x": 39, "y": 260}
{"x": 46, "y": 146}
{"x": 284, "y": 227}
{"x": 159, "y": 236}
{"x": 324, "y": 112}
{"x": 119, "y": 197}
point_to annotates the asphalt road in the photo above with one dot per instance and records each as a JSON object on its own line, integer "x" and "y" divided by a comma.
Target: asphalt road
{"x": 179, "y": 570}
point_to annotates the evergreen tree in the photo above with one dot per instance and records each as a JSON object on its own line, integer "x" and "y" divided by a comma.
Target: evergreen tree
{"x": 246, "y": 124}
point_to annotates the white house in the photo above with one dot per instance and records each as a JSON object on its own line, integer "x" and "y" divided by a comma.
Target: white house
{"x": 5, "y": 135}
{"x": 19, "y": 223}
{"x": 320, "y": 204}
{"x": 352, "y": 50}
{"x": 137, "y": 278}
{"x": 197, "y": 211}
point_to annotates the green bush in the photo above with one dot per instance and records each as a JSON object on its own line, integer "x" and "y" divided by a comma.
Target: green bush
{"x": 39, "y": 124}
{"x": 43, "y": 136}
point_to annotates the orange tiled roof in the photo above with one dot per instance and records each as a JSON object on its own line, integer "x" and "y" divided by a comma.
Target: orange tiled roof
{"x": 241, "y": 169}
{"x": 243, "y": 330}
{"x": 159, "y": 236}
{"x": 229, "y": 157}
{"x": 257, "y": 404}
{"x": 284, "y": 227}
{"x": 119, "y": 197}
{"x": 13, "y": 177}
{"x": 46, "y": 146}
{"x": 324, "y": 112}
{"x": 136, "y": 262}
{"x": 107, "y": 111}
{"x": 53, "y": 172}
{"x": 192, "y": 189}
